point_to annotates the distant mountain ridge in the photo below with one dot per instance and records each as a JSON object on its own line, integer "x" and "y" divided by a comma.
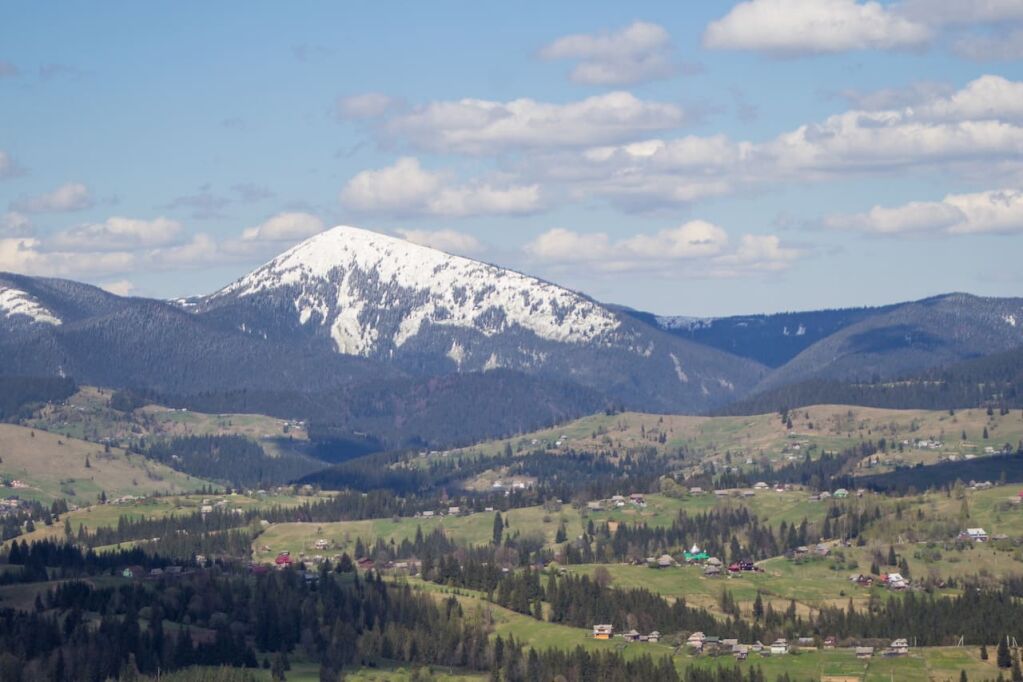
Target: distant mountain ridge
{"x": 371, "y": 333}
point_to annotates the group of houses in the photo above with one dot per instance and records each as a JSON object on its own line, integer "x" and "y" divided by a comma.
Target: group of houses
{"x": 606, "y": 631}
{"x": 712, "y": 566}
{"x": 140, "y": 573}
{"x": 637, "y": 500}
{"x": 699, "y": 643}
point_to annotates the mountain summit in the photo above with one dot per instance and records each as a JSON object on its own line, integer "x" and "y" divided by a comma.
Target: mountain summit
{"x": 373, "y": 294}
{"x": 423, "y": 311}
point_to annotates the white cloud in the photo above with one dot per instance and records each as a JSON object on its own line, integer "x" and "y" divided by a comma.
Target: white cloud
{"x": 977, "y": 129}
{"x": 991, "y": 212}
{"x": 405, "y": 188}
{"x": 198, "y": 252}
{"x": 449, "y": 241}
{"x": 694, "y": 249}
{"x": 288, "y": 226}
{"x": 72, "y": 196}
{"x": 118, "y": 234}
{"x": 813, "y": 26}
{"x": 989, "y": 97}
{"x": 14, "y": 224}
{"x": 755, "y": 253}
{"x": 475, "y": 126}
{"x": 120, "y": 287}
{"x": 637, "y": 53}
{"x": 365, "y": 106}
{"x": 27, "y": 256}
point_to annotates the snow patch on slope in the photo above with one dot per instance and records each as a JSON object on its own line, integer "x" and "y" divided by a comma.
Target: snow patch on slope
{"x": 682, "y": 376}
{"x": 338, "y": 272}
{"x": 17, "y": 302}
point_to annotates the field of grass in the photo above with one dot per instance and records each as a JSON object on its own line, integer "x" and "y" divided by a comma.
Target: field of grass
{"x": 770, "y": 506}
{"x": 87, "y": 415}
{"x": 470, "y": 529}
{"x": 108, "y": 515}
{"x": 764, "y": 438}
{"x": 54, "y": 466}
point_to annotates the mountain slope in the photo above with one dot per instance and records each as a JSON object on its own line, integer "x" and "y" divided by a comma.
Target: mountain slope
{"x": 769, "y": 339}
{"x": 909, "y": 338}
{"x": 428, "y": 313}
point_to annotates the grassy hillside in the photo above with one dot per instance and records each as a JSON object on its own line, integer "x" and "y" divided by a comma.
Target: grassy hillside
{"x": 766, "y": 437}
{"x": 88, "y": 415}
{"x": 53, "y": 466}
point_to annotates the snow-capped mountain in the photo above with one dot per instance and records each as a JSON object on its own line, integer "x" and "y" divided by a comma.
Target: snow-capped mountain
{"x": 373, "y": 294}
{"x": 424, "y": 311}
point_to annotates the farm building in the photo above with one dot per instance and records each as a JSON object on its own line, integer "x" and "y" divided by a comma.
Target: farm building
{"x": 974, "y": 535}
{"x": 603, "y": 631}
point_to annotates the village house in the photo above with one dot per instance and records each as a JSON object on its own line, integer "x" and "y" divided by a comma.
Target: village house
{"x": 283, "y": 560}
{"x": 134, "y": 572}
{"x": 806, "y": 643}
{"x": 654, "y": 637}
{"x": 603, "y": 631}
{"x": 631, "y": 636}
{"x": 779, "y": 647}
{"x": 864, "y": 652}
{"x": 321, "y": 544}
{"x": 760, "y": 485}
{"x": 899, "y": 647}
{"x": 712, "y": 571}
{"x": 861, "y": 580}
{"x": 974, "y": 535}
{"x": 695, "y": 641}
{"x": 895, "y": 581}
{"x": 665, "y": 561}
{"x": 830, "y": 642}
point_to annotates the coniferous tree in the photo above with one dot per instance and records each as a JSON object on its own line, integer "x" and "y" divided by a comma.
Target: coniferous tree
{"x": 1004, "y": 658}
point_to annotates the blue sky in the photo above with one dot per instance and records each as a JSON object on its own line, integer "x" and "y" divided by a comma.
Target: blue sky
{"x": 690, "y": 158}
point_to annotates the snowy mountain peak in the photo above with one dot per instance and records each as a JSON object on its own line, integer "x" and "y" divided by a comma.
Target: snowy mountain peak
{"x": 15, "y": 302}
{"x": 375, "y": 293}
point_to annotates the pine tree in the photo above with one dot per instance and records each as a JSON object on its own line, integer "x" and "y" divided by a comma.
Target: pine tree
{"x": 1004, "y": 658}
{"x": 892, "y": 560}
{"x": 983, "y": 652}
{"x": 498, "y": 528}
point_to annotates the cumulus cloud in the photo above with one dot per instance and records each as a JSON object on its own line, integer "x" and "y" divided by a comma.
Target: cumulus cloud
{"x": 475, "y": 126}
{"x": 365, "y": 106}
{"x": 991, "y": 212}
{"x": 118, "y": 234}
{"x": 449, "y": 241}
{"x": 638, "y": 53}
{"x": 28, "y": 256}
{"x": 406, "y": 188}
{"x": 288, "y": 226}
{"x": 695, "y": 248}
{"x": 978, "y": 129}
{"x": 14, "y": 224}
{"x": 788, "y": 27}
{"x": 120, "y": 287}
{"x": 72, "y": 196}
